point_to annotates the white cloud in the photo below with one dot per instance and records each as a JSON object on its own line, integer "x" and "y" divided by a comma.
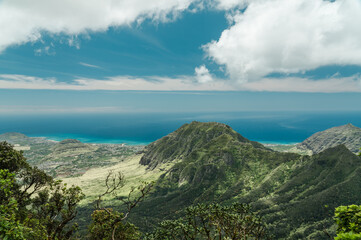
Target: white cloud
{"x": 46, "y": 50}
{"x": 24, "y": 21}
{"x": 230, "y": 4}
{"x": 331, "y": 85}
{"x": 184, "y": 83}
{"x": 153, "y": 83}
{"x": 288, "y": 36}
{"x": 59, "y": 109}
{"x": 89, "y": 65}
{"x": 202, "y": 74}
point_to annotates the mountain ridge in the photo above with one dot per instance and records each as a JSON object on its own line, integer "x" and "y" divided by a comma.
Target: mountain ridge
{"x": 176, "y": 145}
{"x": 348, "y": 134}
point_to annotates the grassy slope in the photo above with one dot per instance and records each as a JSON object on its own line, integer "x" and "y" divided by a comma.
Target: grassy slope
{"x": 92, "y": 184}
{"x": 92, "y": 181}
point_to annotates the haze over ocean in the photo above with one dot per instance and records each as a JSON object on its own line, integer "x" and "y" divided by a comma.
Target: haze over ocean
{"x": 267, "y": 127}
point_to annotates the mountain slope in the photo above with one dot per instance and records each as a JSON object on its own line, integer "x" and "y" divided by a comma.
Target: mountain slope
{"x": 181, "y": 143}
{"x": 348, "y": 135}
{"x": 295, "y": 209}
{"x": 290, "y": 190}
{"x": 211, "y": 163}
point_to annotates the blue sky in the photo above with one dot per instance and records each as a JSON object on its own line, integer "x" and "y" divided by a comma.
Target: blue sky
{"x": 150, "y": 49}
{"x": 179, "y": 55}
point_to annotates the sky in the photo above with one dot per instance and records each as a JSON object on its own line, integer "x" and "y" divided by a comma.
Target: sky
{"x": 98, "y": 56}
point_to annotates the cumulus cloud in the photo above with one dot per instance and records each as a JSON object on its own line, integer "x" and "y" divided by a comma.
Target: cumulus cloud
{"x": 24, "y": 21}
{"x": 288, "y": 36}
{"x": 264, "y": 37}
{"x": 202, "y": 74}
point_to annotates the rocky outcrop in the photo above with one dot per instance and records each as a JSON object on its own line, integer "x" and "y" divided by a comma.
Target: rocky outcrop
{"x": 348, "y": 135}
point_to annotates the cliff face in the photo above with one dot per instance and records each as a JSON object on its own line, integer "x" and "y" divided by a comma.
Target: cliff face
{"x": 348, "y": 135}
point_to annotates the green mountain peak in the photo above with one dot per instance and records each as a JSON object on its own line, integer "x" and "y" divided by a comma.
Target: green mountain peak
{"x": 190, "y": 138}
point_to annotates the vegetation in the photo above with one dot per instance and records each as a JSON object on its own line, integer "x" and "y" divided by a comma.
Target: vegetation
{"x": 33, "y": 205}
{"x": 197, "y": 165}
{"x": 212, "y": 222}
{"x": 110, "y": 224}
{"x": 348, "y": 220}
{"x": 287, "y": 189}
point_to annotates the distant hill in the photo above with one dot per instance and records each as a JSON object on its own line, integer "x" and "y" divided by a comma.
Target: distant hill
{"x": 22, "y": 139}
{"x": 348, "y": 134}
{"x": 12, "y": 136}
{"x": 69, "y": 147}
{"x": 211, "y": 162}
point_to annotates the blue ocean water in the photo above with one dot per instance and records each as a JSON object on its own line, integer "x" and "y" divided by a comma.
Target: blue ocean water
{"x": 265, "y": 127}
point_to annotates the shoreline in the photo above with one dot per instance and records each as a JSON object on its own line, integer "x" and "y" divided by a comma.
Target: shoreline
{"x": 132, "y": 142}
{"x": 89, "y": 140}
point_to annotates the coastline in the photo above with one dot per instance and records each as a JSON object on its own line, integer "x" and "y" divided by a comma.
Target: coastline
{"x": 90, "y": 140}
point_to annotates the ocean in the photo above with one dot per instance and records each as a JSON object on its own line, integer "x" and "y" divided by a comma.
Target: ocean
{"x": 143, "y": 128}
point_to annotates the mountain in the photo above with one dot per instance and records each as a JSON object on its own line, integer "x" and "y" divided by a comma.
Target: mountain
{"x": 210, "y": 162}
{"x": 213, "y": 163}
{"x": 348, "y": 134}
{"x": 189, "y": 138}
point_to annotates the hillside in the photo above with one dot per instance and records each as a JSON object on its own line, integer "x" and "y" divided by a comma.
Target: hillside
{"x": 214, "y": 163}
{"x": 12, "y": 136}
{"x": 189, "y": 138}
{"x": 348, "y": 134}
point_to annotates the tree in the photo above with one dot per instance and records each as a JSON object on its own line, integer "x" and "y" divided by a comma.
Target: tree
{"x": 111, "y": 224}
{"x": 33, "y": 205}
{"x": 10, "y": 228}
{"x": 348, "y": 220}
{"x": 212, "y": 222}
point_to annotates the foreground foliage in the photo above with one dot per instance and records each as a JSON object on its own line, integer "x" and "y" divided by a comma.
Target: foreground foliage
{"x": 212, "y": 222}
{"x": 348, "y": 220}
{"x": 35, "y": 206}
{"x": 32, "y": 204}
{"x": 111, "y": 224}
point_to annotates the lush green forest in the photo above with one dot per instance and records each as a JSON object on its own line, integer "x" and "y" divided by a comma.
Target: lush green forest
{"x": 207, "y": 182}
